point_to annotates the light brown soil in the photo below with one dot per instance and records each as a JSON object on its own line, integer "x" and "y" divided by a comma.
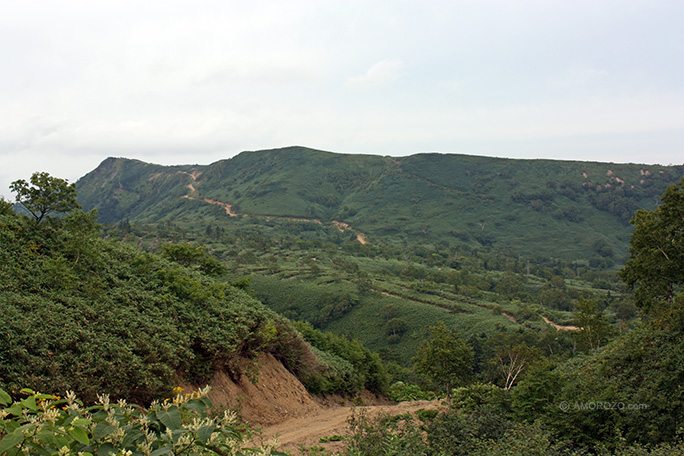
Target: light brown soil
{"x": 510, "y": 317}
{"x": 226, "y": 206}
{"x": 281, "y": 406}
{"x": 276, "y": 395}
{"x": 360, "y": 237}
{"x": 307, "y": 431}
{"x": 560, "y": 327}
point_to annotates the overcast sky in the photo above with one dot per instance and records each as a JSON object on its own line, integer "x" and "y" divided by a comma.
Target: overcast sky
{"x": 177, "y": 81}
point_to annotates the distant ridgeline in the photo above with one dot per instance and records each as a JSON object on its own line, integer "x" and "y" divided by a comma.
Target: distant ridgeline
{"x": 534, "y": 208}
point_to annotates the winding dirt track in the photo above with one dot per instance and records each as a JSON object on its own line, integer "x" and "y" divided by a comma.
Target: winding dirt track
{"x": 560, "y": 327}
{"x": 308, "y": 430}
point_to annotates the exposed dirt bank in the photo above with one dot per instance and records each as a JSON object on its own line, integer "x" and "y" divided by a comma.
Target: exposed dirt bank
{"x": 281, "y": 406}
{"x": 276, "y": 396}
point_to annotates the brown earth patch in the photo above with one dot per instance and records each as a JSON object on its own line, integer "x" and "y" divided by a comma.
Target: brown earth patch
{"x": 510, "y": 317}
{"x": 345, "y": 227}
{"x": 228, "y": 207}
{"x": 560, "y": 327}
{"x": 277, "y": 395}
{"x": 281, "y": 407}
{"x": 308, "y": 430}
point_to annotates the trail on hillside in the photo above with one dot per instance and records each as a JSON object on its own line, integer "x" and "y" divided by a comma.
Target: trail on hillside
{"x": 228, "y": 207}
{"x": 560, "y": 327}
{"x": 360, "y": 237}
{"x": 332, "y": 421}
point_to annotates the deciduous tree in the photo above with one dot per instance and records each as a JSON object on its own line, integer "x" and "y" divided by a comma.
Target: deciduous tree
{"x": 655, "y": 269}
{"x": 595, "y": 330}
{"x": 45, "y": 195}
{"x": 445, "y": 358}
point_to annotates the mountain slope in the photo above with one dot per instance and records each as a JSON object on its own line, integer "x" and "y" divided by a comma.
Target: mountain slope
{"x": 88, "y": 314}
{"x": 93, "y": 315}
{"x": 535, "y": 208}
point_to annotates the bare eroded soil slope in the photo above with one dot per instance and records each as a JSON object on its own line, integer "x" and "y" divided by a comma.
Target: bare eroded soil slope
{"x": 275, "y": 396}
{"x": 280, "y": 404}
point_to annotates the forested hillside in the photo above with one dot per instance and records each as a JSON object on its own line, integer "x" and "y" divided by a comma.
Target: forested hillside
{"x": 380, "y": 248}
{"x": 524, "y": 207}
{"x": 532, "y": 355}
{"x": 90, "y": 315}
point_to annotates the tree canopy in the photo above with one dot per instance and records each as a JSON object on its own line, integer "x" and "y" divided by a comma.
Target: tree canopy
{"x": 655, "y": 269}
{"x": 45, "y": 195}
{"x": 445, "y": 358}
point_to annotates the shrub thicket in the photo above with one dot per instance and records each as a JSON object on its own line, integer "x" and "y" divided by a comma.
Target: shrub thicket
{"x": 94, "y": 315}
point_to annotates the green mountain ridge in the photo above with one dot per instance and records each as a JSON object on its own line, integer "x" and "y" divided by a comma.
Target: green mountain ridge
{"x": 576, "y": 211}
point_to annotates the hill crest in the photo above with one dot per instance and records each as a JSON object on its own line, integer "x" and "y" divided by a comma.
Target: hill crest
{"x": 523, "y": 206}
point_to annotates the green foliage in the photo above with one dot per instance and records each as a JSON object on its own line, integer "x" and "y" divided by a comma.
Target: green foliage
{"x": 92, "y": 315}
{"x": 476, "y": 202}
{"x": 45, "y": 195}
{"x": 193, "y": 255}
{"x": 332, "y": 438}
{"x": 455, "y": 433}
{"x": 445, "y": 359}
{"x": 537, "y": 394}
{"x": 47, "y": 424}
{"x": 316, "y": 272}
{"x": 401, "y": 392}
{"x": 5, "y": 207}
{"x": 344, "y": 366}
{"x": 89, "y": 314}
{"x": 386, "y": 435}
{"x": 477, "y": 395}
{"x": 396, "y": 327}
{"x": 331, "y": 375}
{"x": 595, "y": 331}
{"x": 482, "y": 430}
{"x": 656, "y": 265}
{"x": 633, "y": 386}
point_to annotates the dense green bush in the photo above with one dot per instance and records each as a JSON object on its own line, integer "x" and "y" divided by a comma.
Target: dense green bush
{"x": 331, "y": 375}
{"x": 400, "y": 435}
{"x": 50, "y": 425}
{"x": 631, "y": 389}
{"x": 400, "y": 392}
{"x": 347, "y": 365}
{"x": 94, "y": 315}
{"x": 481, "y": 431}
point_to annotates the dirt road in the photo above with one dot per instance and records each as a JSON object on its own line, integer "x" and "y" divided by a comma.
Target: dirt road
{"x": 307, "y": 431}
{"x": 560, "y": 327}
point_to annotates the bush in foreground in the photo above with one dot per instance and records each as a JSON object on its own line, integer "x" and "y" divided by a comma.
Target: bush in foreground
{"x": 50, "y": 425}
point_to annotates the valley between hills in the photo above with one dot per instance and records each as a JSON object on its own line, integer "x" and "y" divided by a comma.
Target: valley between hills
{"x": 489, "y": 304}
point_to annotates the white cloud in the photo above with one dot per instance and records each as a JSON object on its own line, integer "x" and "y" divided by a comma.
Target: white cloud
{"x": 577, "y": 76}
{"x": 382, "y": 73}
{"x": 178, "y": 81}
{"x": 453, "y": 85}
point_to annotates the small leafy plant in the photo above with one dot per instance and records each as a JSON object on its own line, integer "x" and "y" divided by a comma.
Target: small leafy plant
{"x": 332, "y": 438}
{"x": 51, "y": 425}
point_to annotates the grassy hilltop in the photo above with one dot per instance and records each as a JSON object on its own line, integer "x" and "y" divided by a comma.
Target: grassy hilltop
{"x": 534, "y": 208}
